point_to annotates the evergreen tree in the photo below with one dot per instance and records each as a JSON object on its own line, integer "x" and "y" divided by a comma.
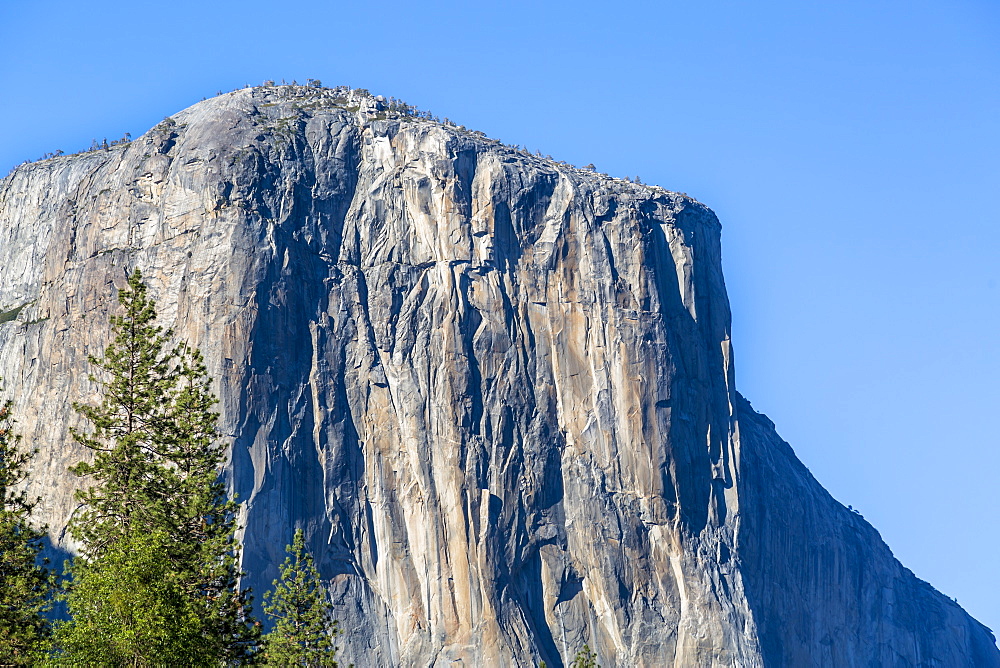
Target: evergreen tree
{"x": 130, "y": 608}
{"x": 303, "y": 624}
{"x": 156, "y": 468}
{"x": 585, "y": 658}
{"x": 131, "y": 429}
{"x": 25, "y": 580}
{"x": 202, "y": 516}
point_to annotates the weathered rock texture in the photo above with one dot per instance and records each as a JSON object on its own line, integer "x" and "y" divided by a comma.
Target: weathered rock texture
{"x": 496, "y": 391}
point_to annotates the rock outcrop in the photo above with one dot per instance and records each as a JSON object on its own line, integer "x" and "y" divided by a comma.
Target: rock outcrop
{"x": 496, "y": 391}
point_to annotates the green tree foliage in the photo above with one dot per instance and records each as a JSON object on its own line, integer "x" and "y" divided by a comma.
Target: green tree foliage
{"x": 131, "y": 429}
{"x": 585, "y": 658}
{"x": 130, "y": 607}
{"x": 303, "y": 624}
{"x": 156, "y": 459}
{"x": 25, "y": 580}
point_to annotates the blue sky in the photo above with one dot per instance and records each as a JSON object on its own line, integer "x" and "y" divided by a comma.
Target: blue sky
{"x": 851, "y": 150}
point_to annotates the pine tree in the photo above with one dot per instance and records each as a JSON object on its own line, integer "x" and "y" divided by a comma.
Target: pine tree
{"x": 25, "y": 580}
{"x": 130, "y": 433}
{"x": 130, "y": 608}
{"x": 203, "y": 517}
{"x": 156, "y": 467}
{"x": 585, "y": 658}
{"x": 303, "y": 624}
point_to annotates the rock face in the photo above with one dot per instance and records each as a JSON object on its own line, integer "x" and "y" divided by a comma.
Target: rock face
{"x": 496, "y": 392}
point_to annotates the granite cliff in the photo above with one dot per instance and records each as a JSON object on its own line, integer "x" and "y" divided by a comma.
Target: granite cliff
{"x": 495, "y": 390}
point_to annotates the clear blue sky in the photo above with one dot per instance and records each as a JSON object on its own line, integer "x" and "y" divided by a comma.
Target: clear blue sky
{"x": 851, "y": 149}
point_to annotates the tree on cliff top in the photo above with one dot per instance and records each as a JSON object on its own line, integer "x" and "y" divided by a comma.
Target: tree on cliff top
{"x": 25, "y": 580}
{"x": 303, "y": 624}
{"x": 157, "y": 508}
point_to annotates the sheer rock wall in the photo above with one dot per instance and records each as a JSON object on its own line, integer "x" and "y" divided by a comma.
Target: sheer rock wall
{"x": 496, "y": 392}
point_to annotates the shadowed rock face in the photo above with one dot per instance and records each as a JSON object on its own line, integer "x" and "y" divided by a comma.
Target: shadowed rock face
{"x": 496, "y": 392}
